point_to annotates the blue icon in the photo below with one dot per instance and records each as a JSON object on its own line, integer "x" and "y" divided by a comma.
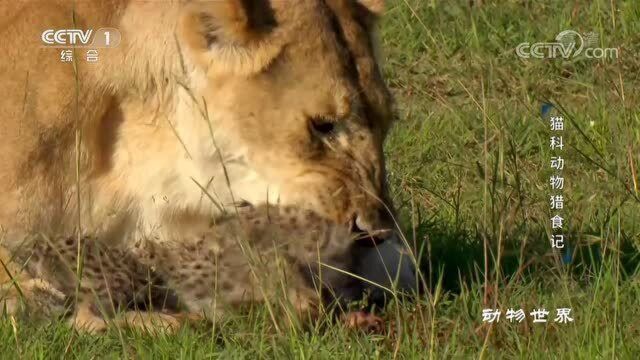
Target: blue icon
{"x": 545, "y": 109}
{"x": 567, "y": 256}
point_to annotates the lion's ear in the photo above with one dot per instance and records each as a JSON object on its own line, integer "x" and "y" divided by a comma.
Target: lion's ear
{"x": 230, "y": 36}
{"x": 377, "y": 7}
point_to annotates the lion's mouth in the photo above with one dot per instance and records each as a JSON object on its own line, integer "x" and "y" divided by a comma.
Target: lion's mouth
{"x": 368, "y": 238}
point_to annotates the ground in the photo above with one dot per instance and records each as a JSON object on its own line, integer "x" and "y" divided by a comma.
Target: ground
{"x": 469, "y": 166}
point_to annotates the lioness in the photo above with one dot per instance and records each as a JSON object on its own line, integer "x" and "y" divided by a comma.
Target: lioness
{"x": 202, "y": 105}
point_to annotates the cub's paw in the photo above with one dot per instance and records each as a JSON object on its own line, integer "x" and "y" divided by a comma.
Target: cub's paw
{"x": 361, "y": 320}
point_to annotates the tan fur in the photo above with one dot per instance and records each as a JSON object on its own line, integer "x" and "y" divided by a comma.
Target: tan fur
{"x": 213, "y": 95}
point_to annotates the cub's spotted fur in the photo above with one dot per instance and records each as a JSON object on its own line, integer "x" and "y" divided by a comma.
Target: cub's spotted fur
{"x": 262, "y": 252}
{"x": 112, "y": 281}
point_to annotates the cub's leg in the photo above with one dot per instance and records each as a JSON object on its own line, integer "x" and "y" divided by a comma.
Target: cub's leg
{"x": 85, "y": 320}
{"x": 155, "y": 321}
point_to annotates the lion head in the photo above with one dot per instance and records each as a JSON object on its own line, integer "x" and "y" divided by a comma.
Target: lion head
{"x": 295, "y": 97}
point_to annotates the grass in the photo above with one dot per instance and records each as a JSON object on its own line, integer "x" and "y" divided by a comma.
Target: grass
{"x": 468, "y": 163}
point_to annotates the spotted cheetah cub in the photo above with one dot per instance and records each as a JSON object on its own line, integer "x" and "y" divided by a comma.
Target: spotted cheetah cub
{"x": 259, "y": 253}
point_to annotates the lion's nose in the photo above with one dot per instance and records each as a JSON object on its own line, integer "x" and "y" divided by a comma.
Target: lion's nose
{"x": 367, "y": 234}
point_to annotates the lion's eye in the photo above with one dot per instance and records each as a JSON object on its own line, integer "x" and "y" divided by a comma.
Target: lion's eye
{"x": 321, "y": 126}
